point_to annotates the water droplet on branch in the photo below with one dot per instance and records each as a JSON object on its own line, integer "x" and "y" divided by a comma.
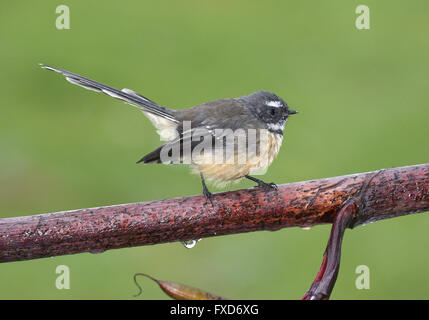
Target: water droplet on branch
{"x": 189, "y": 244}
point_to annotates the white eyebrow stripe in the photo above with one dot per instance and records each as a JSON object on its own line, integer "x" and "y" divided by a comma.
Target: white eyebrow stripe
{"x": 274, "y": 103}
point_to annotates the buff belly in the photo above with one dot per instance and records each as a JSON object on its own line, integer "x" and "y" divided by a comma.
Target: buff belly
{"x": 233, "y": 170}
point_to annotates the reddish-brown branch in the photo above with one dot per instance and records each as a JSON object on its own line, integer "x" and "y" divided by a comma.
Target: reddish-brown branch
{"x": 389, "y": 193}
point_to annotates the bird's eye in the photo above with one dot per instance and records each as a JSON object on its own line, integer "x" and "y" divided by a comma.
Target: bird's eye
{"x": 273, "y": 111}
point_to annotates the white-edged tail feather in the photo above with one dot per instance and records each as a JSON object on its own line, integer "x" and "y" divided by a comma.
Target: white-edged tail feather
{"x": 126, "y": 95}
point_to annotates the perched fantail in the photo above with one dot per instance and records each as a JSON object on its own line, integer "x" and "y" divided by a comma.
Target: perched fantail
{"x": 223, "y": 140}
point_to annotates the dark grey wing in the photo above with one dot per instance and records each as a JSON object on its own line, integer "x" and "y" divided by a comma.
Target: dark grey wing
{"x": 219, "y": 114}
{"x": 179, "y": 150}
{"x": 126, "y": 95}
{"x": 219, "y": 123}
{"x": 203, "y": 145}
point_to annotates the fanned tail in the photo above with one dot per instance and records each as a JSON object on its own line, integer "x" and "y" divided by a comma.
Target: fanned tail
{"x": 126, "y": 95}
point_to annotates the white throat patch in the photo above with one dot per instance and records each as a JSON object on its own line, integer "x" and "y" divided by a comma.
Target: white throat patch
{"x": 277, "y": 126}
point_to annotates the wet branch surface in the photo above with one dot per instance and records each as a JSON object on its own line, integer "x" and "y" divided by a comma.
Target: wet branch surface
{"x": 346, "y": 202}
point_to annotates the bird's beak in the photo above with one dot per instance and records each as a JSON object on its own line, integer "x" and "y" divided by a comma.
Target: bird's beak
{"x": 292, "y": 112}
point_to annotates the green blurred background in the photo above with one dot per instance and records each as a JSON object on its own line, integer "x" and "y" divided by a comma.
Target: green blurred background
{"x": 363, "y": 101}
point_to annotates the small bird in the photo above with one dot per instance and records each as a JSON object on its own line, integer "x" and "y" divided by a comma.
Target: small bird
{"x": 242, "y": 134}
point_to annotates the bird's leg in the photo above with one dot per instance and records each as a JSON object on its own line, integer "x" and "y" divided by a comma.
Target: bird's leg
{"x": 262, "y": 184}
{"x": 206, "y": 191}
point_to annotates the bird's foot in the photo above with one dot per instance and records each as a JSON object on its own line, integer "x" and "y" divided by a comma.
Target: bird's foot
{"x": 206, "y": 191}
{"x": 264, "y": 185}
{"x": 208, "y": 195}
{"x": 267, "y": 186}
